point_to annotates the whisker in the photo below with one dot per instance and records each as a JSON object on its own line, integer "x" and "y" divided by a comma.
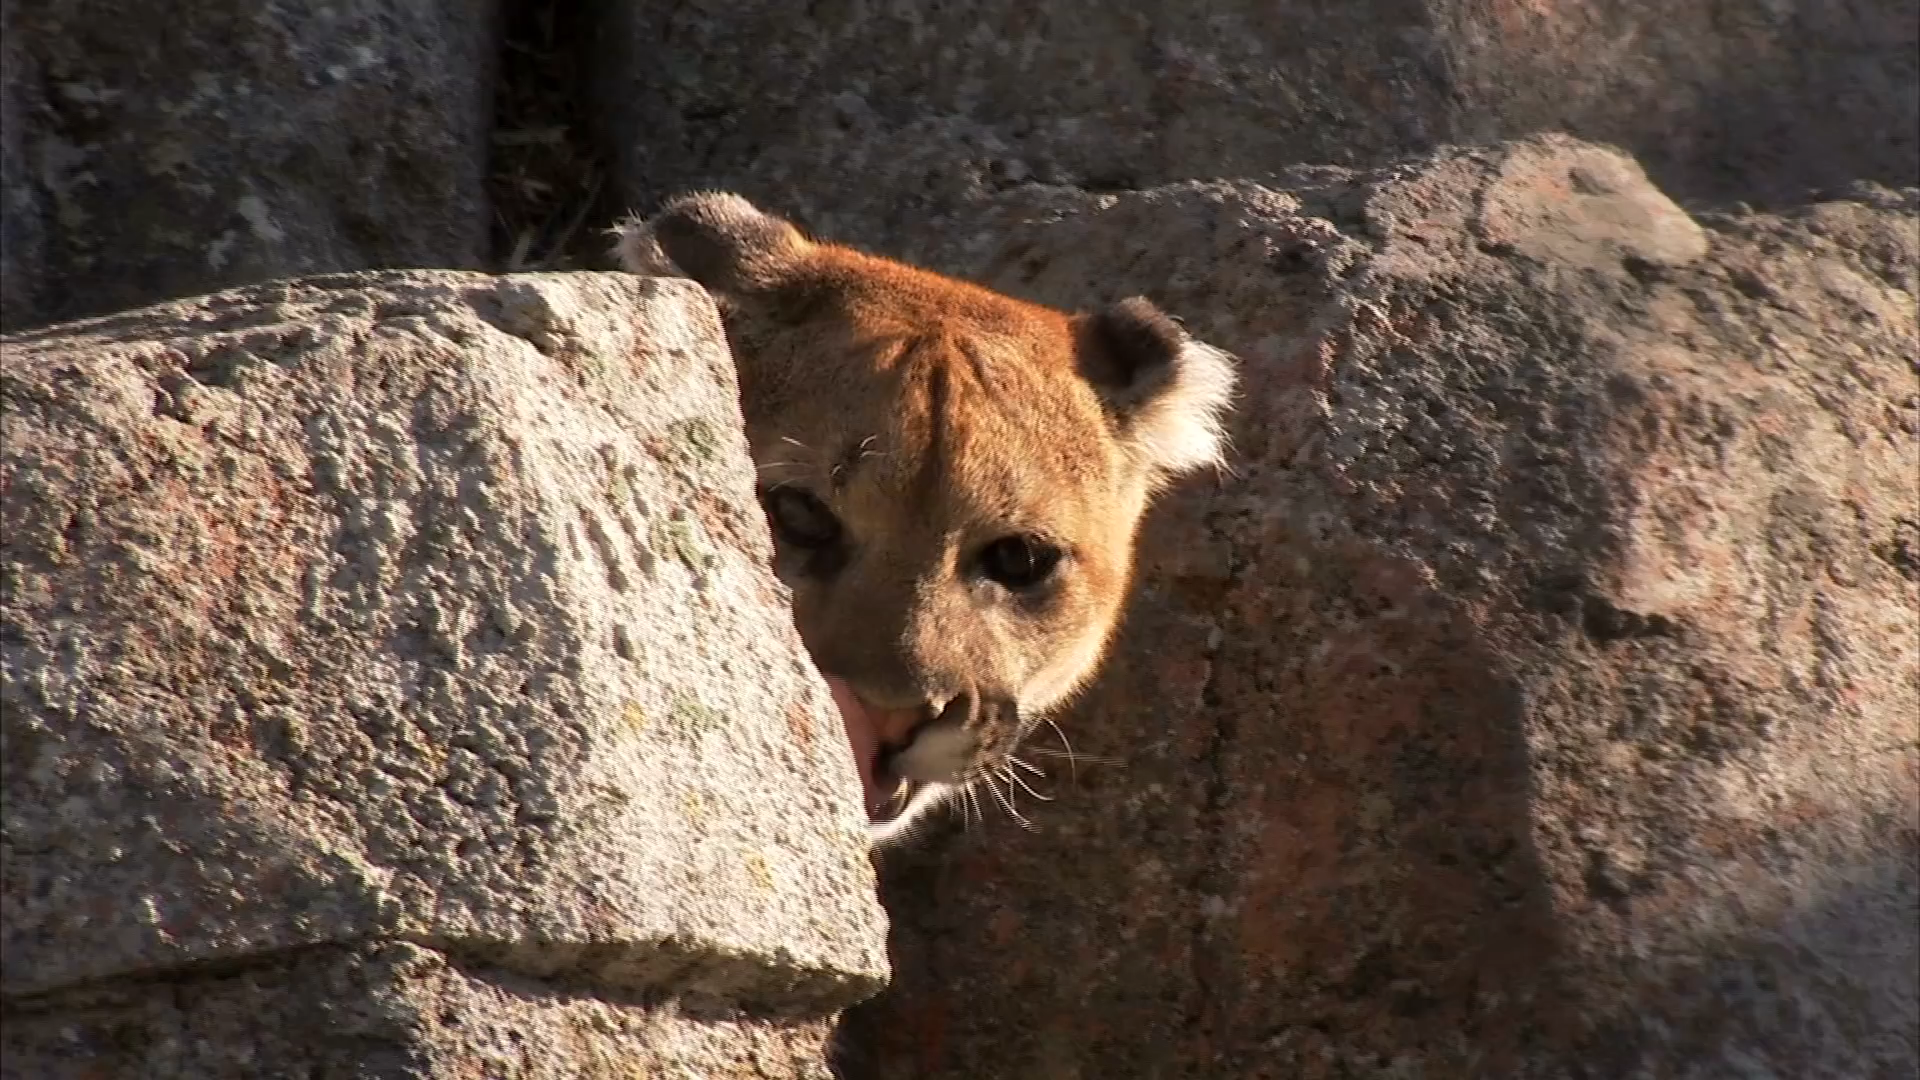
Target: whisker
{"x": 1007, "y": 805}
{"x": 1015, "y": 778}
{"x": 794, "y": 442}
{"x": 1073, "y": 763}
{"x": 1027, "y": 766}
{"x": 1091, "y": 759}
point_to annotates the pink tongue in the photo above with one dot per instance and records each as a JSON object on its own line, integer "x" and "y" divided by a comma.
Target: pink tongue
{"x": 861, "y": 736}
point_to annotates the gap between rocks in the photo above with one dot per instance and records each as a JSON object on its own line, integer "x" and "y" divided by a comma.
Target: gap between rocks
{"x": 547, "y": 174}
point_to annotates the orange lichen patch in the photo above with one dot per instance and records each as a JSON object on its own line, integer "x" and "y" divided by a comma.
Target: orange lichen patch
{"x": 800, "y": 723}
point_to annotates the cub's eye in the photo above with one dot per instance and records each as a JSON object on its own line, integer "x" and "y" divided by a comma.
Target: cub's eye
{"x": 1019, "y": 562}
{"x": 799, "y": 518}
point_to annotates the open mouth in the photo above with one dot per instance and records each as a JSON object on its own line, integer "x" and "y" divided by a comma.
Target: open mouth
{"x": 882, "y": 793}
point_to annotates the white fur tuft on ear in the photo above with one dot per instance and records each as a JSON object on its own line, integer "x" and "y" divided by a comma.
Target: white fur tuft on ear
{"x": 1182, "y": 427}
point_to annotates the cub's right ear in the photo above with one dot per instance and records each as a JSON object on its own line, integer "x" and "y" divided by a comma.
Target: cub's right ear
{"x": 720, "y": 240}
{"x": 1166, "y": 393}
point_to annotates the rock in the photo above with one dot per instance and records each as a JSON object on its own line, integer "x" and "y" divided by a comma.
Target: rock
{"x": 397, "y": 1010}
{"x": 396, "y": 654}
{"x": 1536, "y": 695}
{"x": 169, "y": 150}
{"x": 867, "y": 120}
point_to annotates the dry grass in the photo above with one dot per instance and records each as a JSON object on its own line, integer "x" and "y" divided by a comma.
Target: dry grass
{"x": 545, "y": 178}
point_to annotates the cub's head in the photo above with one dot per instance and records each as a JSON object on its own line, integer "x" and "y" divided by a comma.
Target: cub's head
{"x": 953, "y": 478}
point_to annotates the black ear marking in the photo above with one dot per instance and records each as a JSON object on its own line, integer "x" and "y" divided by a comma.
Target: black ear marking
{"x": 721, "y": 241}
{"x": 1130, "y": 352}
{"x": 1164, "y": 393}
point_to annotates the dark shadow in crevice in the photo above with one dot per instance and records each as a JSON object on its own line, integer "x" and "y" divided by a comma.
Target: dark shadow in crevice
{"x": 546, "y": 171}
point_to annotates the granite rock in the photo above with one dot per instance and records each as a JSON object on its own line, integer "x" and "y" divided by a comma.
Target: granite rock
{"x": 872, "y": 121}
{"x": 392, "y": 1011}
{"x": 166, "y": 150}
{"x": 1535, "y": 696}
{"x": 411, "y": 608}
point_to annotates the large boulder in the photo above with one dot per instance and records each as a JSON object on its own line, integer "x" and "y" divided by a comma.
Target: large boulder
{"x": 395, "y": 684}
{"x": 152, "y": 151}
{"x": 1537, "y": 694}
{"x": 867, "y": 119}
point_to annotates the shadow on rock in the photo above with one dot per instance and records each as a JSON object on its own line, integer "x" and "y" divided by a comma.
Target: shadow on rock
{"x": 1543, "y": 664}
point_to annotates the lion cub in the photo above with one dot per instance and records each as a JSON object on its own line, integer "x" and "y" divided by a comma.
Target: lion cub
{"x": 953, "y": 478}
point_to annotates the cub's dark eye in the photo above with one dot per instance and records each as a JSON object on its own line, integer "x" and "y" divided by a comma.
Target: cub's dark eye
{"x": 1019, "y": 562}
{"x": 799, "y": 518}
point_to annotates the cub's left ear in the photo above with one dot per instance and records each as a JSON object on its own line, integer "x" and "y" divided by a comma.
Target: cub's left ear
{"x": 1166, "y": 393}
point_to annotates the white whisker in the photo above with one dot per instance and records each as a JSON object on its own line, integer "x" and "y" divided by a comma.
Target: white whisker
{"x": 1015, "y": 778}
{"x": 1005, "y": 804}
{"x": 1073, "y": 768}
{"x": 1091, "y": 759}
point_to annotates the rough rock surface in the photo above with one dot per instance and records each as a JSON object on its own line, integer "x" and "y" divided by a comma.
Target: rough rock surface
{"x": 398, "y": 651}
{"x": 868, "y": 119}
{"x": 1537, "y": 697}
{"x": 165, "y": 150}
{"x": 396, "y": 1011}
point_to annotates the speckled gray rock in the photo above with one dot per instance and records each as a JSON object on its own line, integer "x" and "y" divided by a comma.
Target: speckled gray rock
{"x": 934, "y": 107}
{"x": 1537, "y": 695}
{"x": 166, "y": 150}
{"x": 395, "y": 1012}
{"x": 412, "y": 607}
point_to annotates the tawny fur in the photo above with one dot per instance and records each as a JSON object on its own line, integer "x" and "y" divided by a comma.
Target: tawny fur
{"x": 933, "y": 417}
